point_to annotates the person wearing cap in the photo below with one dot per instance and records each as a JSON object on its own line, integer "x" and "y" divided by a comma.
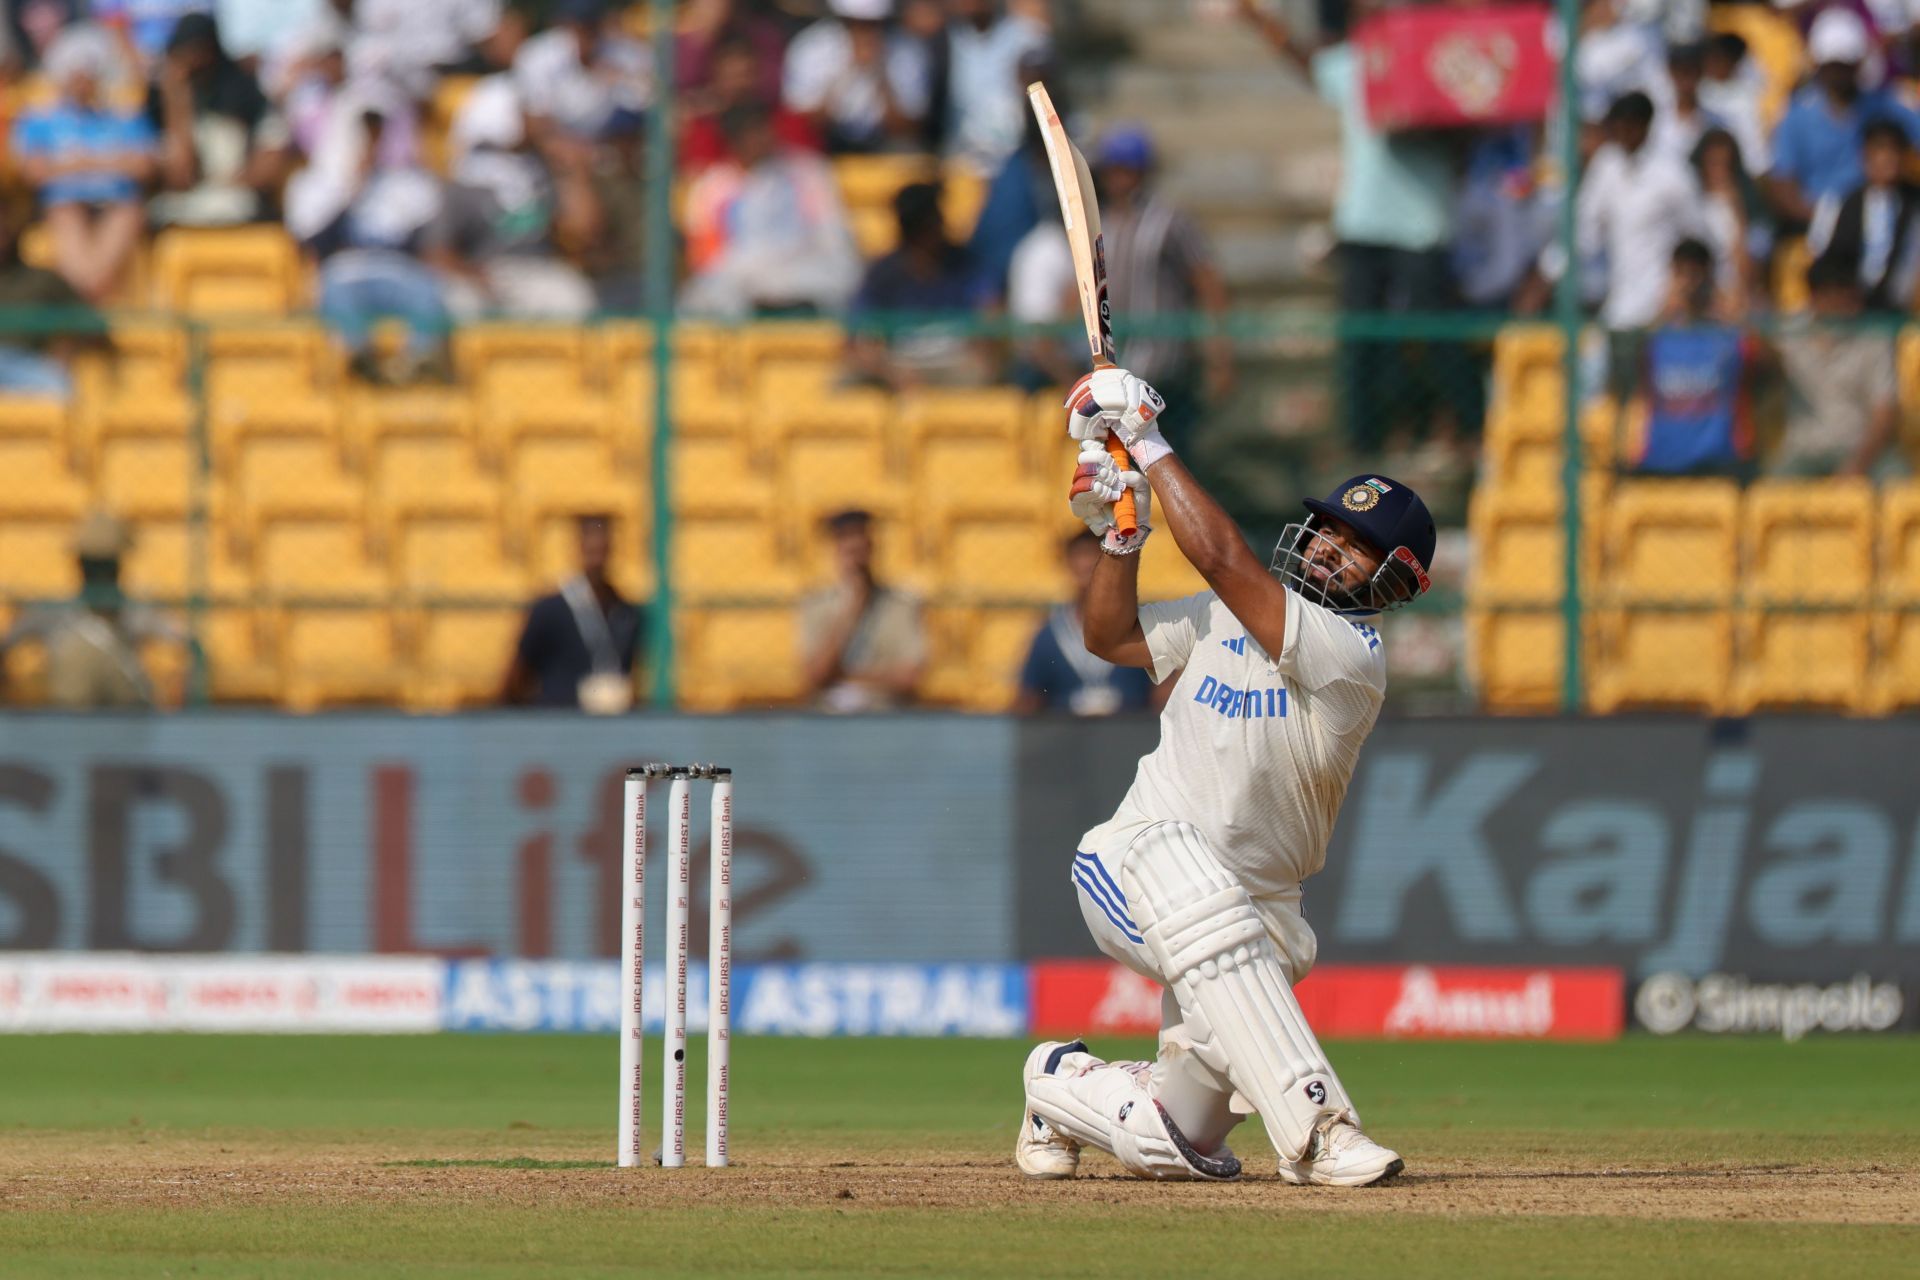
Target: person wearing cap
{"x": 864, "y": 87}
{"x": 1195, "y": 882}
{"x": 580, "y": 645}
{"x": 92, "y": 642}
{"x": 1159, "y": 263}
{"x": 88, "y": 161}
{"x": 224, "y": 150}
{"x": 863, "y": 645}
{"x": 1816, "y": 145}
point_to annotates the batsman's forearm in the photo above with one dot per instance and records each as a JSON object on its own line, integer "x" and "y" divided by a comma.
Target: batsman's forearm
{"x": 1201, "y": 528}
{"x": 1112, "y": 616}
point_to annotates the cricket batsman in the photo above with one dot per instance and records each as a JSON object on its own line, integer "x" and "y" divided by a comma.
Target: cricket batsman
{"x": 1195, "y": 881}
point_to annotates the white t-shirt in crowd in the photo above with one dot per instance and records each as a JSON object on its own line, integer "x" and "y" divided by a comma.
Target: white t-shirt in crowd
{"x": 1040, "y": 283}
{"x": 1255, "y": 751}
{"x": 989, "y": 102}
{"x": 1633, "y": 210}
{"x": 820, "y": 75}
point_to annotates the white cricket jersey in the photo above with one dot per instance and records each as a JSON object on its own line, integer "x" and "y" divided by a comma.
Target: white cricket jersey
{"x": 1254, "y": 751}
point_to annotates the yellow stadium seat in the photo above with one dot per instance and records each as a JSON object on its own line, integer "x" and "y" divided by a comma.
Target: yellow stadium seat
{"x": 874, "y": 179}
{"x": 717, "y": 476}
{"x": 159, "y": 565}
{"x": 40, "y": 417}
{"x": 573, "y": 476}
{"x": 733, "y": 658}
{"x": 524, "y": 362}
{"x": 147, "y": 478}
{"x": 505, "y": 423}
{"x": 169, "y": 667}
{"x": 312, "y": 557}
{"x": 1519, "y": 547}
{"x": 1671, "y": 541}
{"x": 817, "y": 342}
{"x": 1803, "y": 660}
{"x": 35, "y": 479}
{"x": 1667, "y": 658}
{"x": 1899, "y": 579}
{"x": 1791, "y": 259}
{"x": 254, "y": 270}
{"x": 252, "y": 368}
{"x": 455, "y": 556}
{"x": 1529, "y": 383}
{"x": 336, "y": 656}
{"x": 985, "y": 411}
{"x": 998, "y": 652}
{"x": 242, "y": 647}
{"x": 1809, "y": 542}
{"x": 783, "y": 414}
{"x": 825, "y": 475}
{"x": 1165, "y": 574}
{"x": 1000, "y": 559}
{"x": 411, "y": 474}
{"x": 962, "y": 195}
{"x": 1518, "y": 658}
{"x": 291, "y": 474}
{"x": 459, "y": 657}
{"x": 1896, "y": 672}
{"x": 147, "y": 355}
{"x": 36, "y": 556}
{"x": 962, "y": 472}
{"x": 731, "y": 559}
{"x": 232, "y": 424}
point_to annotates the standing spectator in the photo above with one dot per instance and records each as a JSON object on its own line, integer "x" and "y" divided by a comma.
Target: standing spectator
{"x": 88, "y": 162}
{"x": 767, "y": 232}
{"x": 1161, "y": 266}
{"x": 502, "y": 212}
{"x": 1393, "y": 218}
{"x": 1619, "y": 53}
{"x": 582, "y": 78}
{"x": 365, "y": 221}
{"x": 92, "y": 642}
{"x": 1734, "y": 222}
{"x": 1732, "y": 89}
{"x": 927, "y": 273}
{"x": 35, "y": 361}
{"x": 1020, "y": 195}
{"x": 1042, "y": 290}
{"x": 1680, "y": 119}
{"x": 1060, "y": 676}
{"x": 580, "y": 645}
{"x": 864, "y": 88}
{"x": 1843, "y": 407}
{"x": 1501, "y": 223}
{"x": 1697, "y": 379}
{"x": 863, "y": 645}
{"x": 1635, "y": 206}
{"x": 1816, "y": 148}
{"x": 987, "y": 102}
{"x": 1872, "y": 229}
{"x": 224, "y": 152}
{"x": 312, "y": 89}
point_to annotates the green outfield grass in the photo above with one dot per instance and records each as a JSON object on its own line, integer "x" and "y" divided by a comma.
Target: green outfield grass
{"x": 490, "y": 1156}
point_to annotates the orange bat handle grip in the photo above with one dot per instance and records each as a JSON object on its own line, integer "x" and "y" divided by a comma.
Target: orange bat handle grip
{"x": 1126, "y": 512}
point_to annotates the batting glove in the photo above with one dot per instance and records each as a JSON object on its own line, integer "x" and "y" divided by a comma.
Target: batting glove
{"x": 1098, "y": 483}
{"x": 1116, "y": 400}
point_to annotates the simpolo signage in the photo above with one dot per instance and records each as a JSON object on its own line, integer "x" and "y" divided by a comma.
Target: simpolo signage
{"x": 1722, "y": 1003}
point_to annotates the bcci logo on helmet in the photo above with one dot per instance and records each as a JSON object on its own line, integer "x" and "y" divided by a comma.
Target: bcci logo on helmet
{"x": 1365, "y": 496}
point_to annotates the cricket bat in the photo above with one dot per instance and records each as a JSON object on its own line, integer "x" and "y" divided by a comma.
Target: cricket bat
{"x": 1080, "y": 212}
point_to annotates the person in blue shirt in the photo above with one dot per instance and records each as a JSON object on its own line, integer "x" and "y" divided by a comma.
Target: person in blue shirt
{"x": 928, "y": 275}
{"x": 1816, "y": 147}
{"x": 1060, "y": 676}
{"x": 89, "y": 162}
{"x": 1696, "y": 374}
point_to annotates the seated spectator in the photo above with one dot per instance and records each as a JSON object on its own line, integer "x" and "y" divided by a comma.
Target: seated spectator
{"x": 767, "y": 232}
{"x": 580, "y": 646}
{"x": 1161, "y": 265}
{"x": 1843, "y": 400}
{"x": 1872, "y": 229}
{"x": 223, "y": 150}
{"x": 581, "y": 77}
{"x": 733, "y": 84}
{"x": 92, "y": 643}
{"x": 1732, "y": 90}
{"x": 1816, "y": 147}
{"x": 927, "y": 273}
{"x": 987, "y": 101}
{"x": 34, "y": 361}
{"x": 365, "y": 221}
{"x": 1734, "y": 222}
{"x": 1060, "y": 676}
{"x": 503, "y": 212}
{"x": 863, "y": 87}
{"x": 146, "y": 25}
{"x": 863, "y": 645}
{"x": 1697, "y": 379}
{"x": 706, "y": 25}
{"x": 88, "y": 163}
{"x": 311, "y": 84}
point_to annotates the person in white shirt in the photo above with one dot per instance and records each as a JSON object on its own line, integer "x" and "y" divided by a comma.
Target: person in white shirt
{"x": 987, "y": 102}
{"x": 581, "y": 76}
{"x": 1635, "y": 205}
{"x": 866, "y": 88}
{"x": 1195, "y": 881}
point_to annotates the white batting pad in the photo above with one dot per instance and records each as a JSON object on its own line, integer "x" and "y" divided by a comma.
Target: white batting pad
{"x": 1107, "y": 1105}
{"x": 1214, "y": 952}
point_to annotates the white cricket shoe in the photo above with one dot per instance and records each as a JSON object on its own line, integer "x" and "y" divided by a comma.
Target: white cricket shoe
{"x": 1342, "y": 1156}
{"x": 1039, "y": 1151}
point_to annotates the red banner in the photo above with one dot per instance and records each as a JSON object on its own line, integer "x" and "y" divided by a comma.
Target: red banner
{"x": 1082, "y": 997}
{"x": 1425, "y": 68}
